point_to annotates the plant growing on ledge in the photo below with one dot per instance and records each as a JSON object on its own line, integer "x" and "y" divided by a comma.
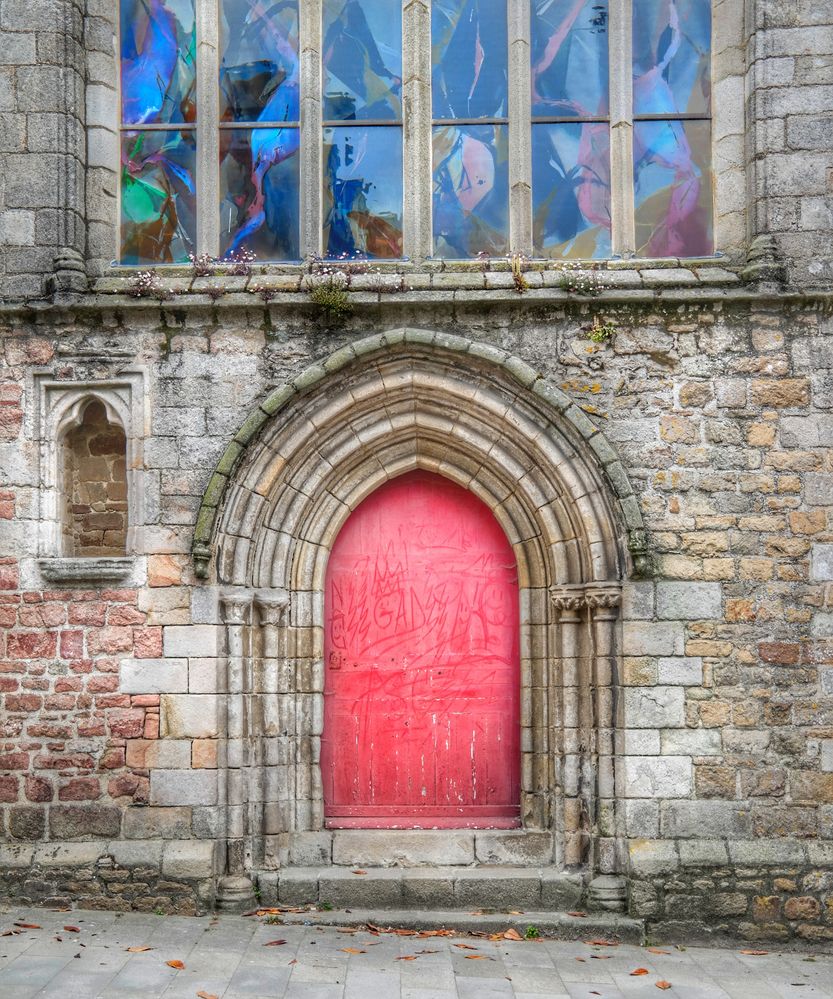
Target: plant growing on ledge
{"x": 329, "y": 292}
{"x": 203, "y": 265}
{"x": 577, "y": 280}
{"x": 146, "y": 284}
{"x": 519, "y": 263}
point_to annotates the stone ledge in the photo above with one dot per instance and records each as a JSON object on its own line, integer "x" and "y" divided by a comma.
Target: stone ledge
{"x": 86, "y": 570}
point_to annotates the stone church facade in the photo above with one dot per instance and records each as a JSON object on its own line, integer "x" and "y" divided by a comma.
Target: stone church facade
{"x": 181, "y": 444}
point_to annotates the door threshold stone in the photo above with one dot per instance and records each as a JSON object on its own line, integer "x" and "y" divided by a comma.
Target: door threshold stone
{"x": 445, "y": 888}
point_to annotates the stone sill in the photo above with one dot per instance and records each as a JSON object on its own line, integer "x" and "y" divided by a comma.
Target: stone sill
{"x": 85, "y": 570}
{"x": 400, "y": 279}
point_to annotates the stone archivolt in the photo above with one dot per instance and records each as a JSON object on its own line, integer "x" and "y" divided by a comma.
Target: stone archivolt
{"x": 394, "y": 407}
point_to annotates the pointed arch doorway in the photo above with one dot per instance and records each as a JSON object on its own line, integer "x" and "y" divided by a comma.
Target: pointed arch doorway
{"x": 422, "y": 663}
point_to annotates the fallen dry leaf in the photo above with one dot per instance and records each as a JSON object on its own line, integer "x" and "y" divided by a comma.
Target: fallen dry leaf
{"x": 406, "y": 957}
{"x": 274, "y": 943}
{"x": 512, "y": 934}
{"x": 353, "y": 950}
{"x": 640, "y": 971}
{"x": 206, "y": 995}
{"x": 601, "y": 943}
{"x": 73, "y": 929}
{"x": 176, "y": 964}
{"x": 657, "y": 950}
{"x": 465, "y": 946}
{"x": 294, "y": 960}
{"x": 516, "y": 912}
{"x": 359, "y": 872}
{"x": 581, "y": 959}
{"x": 748, "y": 953}
{"x": 663, "y": 985}
{"x": 580, "y": 915}
{"x": 138, "y": 950}
{"x": 29, "y": 926}
{"x": 478, "y": 957}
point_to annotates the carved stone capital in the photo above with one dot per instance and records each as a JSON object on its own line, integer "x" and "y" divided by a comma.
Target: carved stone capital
{"x": 569, "y": 601}
{"x": 236, "y": 608}
{"x": 596, "y": 597}
{"x": 271, "y": 605}
{"x": 606, "y": 598}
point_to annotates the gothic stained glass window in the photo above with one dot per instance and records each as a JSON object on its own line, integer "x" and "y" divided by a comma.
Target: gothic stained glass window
{"x": 158, "y": 115}
{"x": 259, "y": 163}
{"x": 672, "y": 128}
{"x": 571, "y": 212}
{"x": 470, "y": 140}
{"x": 362, "y": 111}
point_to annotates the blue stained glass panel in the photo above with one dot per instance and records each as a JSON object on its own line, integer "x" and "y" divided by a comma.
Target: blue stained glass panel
{"x": 158, "y": 62}
{"x": 571, "y": 190}
{"x": 569, "y": 58}
{"x": 259, "y": 67}
{"x": 471, "y": 190}
{"x": 363, "y": 191}
{"x": 469, "y": 59}
{"x": 260, "y": 192}
{"x": 158, "y": 197}
{"x": 673, "y": 183}
{"x": 362, "y": 60}
{"x": 671, "y": 57}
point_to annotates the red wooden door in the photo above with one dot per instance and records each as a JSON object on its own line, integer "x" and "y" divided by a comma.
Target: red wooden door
{"x": 422, "y": 678}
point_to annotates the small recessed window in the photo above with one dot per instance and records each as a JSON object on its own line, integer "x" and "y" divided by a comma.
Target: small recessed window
{"x": 94, "y": 486}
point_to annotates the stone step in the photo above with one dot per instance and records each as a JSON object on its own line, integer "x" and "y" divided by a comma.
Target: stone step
{"x": 558, "y": 925}
{"x": 541, "y": 889}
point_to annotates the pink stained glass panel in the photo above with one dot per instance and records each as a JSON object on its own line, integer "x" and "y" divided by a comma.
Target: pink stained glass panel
{"x": 673, "y": 186}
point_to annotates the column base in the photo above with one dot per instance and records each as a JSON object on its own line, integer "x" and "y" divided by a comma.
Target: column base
{"x": 235, "y": 894}
{"x": 608, "y": 892}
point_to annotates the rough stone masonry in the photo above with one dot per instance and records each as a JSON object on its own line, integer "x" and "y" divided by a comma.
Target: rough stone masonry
{"x": 667, "y": 484}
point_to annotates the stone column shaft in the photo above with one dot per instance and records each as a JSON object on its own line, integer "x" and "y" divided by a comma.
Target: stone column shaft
{"x": 236, "y": 611}
{"x": 271, "y": 778}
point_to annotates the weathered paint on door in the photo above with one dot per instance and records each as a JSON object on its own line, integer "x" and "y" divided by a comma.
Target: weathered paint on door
{"x": 422, "y": 681}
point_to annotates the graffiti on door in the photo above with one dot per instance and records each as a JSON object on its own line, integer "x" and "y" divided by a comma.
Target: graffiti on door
{"x": 422, "y": 679}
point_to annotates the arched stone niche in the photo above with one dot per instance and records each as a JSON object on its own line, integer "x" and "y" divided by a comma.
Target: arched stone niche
{"x": 305, "y": 459}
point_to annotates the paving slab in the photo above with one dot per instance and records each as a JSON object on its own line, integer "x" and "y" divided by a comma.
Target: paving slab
{"x": 234, "y": 957}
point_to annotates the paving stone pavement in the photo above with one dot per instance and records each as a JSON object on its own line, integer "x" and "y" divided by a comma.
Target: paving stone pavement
{"x": 228, "y": 957}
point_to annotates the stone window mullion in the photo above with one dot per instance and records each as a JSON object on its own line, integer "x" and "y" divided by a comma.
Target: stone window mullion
{"x": 311, "y": 126}
{"x": 520, "y": 129}
{"x": 208, "y": 121}
{"x": 623, "y": 239}
{"x": 416, "y": 118}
